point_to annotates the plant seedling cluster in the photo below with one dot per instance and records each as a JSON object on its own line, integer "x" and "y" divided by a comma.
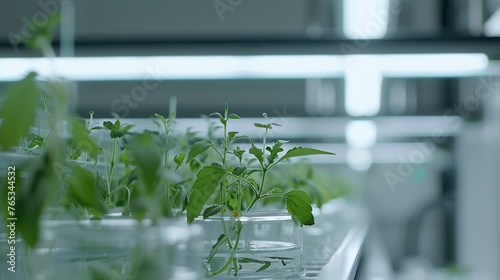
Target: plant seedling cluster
{"x": 151, "y": 174}
{"x": 240, "y": 184}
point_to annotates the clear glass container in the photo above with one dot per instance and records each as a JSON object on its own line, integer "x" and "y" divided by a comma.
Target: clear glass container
{"x": 269, "y": 246}
{"x": 13, "y": 159}
{"x": 115, "y": 248}
{"x": 323, "y": 239}
{"x": 333, "y": 223}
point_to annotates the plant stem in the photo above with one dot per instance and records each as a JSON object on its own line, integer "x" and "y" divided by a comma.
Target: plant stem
{"x": 244, "y": 180}
{"x": 237, "y": 242}
{"x": 120, "y": 188}
{"x": 45, "y": 47}
{"x": 252, "y": 203}
{"x": 111, "y": 168}
{"x": 240, "y": 195}
{"x": 222, "y": 202}
{"x": 225, "y": 145}
{"x": 229, "y": 244}
{"x": 166, "y": 145}
{"x": 263, "y": 177}
{"x": 264, "y": 147}
{"x": 261, "y": 189}
{"x": 226, "y": 266}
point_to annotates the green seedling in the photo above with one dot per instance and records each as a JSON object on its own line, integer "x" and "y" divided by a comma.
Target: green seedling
{"x": 231, "y": 179}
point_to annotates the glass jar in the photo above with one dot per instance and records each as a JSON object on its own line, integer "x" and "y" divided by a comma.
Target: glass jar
{"x": 261, "y": 245}
{"x": 115, "y": 248}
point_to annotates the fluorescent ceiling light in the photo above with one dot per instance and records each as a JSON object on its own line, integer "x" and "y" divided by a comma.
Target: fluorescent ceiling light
{"x": 239, "y": 67}
{"x": 432, "y": 65}
{"x": 364, "y": 74}
{"x": 366, "y": 19}
{"x": 361, "y": 134}
{"x": 363, "y": 85}
{"x": 174, "y": 67}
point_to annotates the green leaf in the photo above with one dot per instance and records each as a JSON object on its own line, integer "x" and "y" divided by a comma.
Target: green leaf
{"x": 76, "y": 154}
{"x": 302, "y": 152}
{"x": 42, "y": 32}
{"x": 218, "y": 115}
{"x": 126, "y": 127}
{"x": 276, "y": 149}
{"x": 266, "y": 264}
{"x": 148, "y": 162}
{"x": 35, "y": 141}
{"x": 108, "y": 125}
{"x": 198, "y": 148}
{"x": 101, "y": 187}
{"x": 160, "y": 117}
{"x": 116, "y": 134}
{"x": 238, "y": 152}
{"x": 80, "y": 121}
{"x": 18, "y": 111}
{"x": 298, "y": 203}
{"x": 83, "y": 141}
{"x": 179, "y": 159}
{"x": 180, "y": 198}
{"x": 260, "y": 125}
{"x": 84, "y": 189}
{"x": 117, "y": 125}
{"x": 257, "y": 153}
{"x": 282, "y": 259}
{"x": 238, "y": 170}
{"x": 233, "y": 116}
{"x": 222, "y": 238}
{"x": 125, "y": 157}
{"x": 275, "y": 190}
{"x": 212, "y": 210}
{"x": 171, "y": 120}
{"x": 31, "y": 199}
{"x": 194, "y": 165}
{"x": 45, "y": 175}
{"x": 208, "y": 178}
{"x": 231, "y": 135}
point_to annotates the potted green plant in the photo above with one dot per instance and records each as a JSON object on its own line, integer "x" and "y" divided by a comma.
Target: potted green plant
{"x": 242, "y": 242}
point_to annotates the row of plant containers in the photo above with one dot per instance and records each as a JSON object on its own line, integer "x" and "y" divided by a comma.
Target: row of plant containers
{"x": 85, "y": 199}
